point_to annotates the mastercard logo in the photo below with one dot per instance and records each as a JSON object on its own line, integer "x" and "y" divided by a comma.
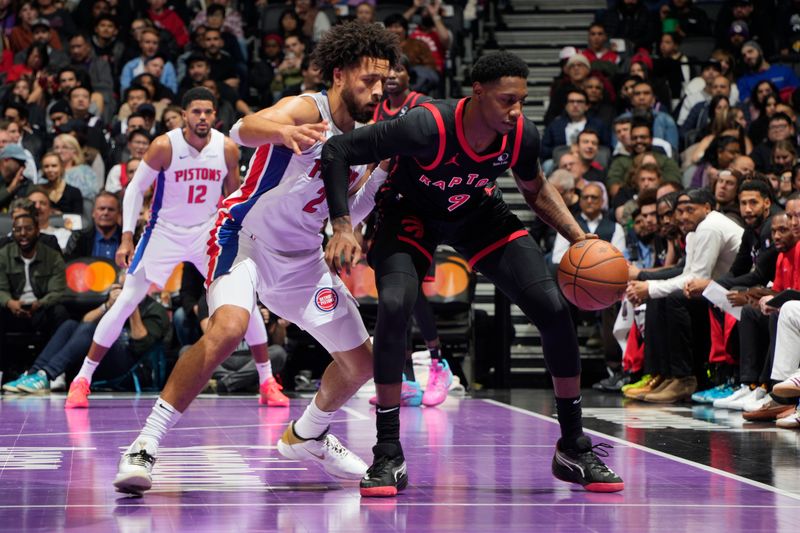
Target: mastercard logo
{"x": 90, "y": 275}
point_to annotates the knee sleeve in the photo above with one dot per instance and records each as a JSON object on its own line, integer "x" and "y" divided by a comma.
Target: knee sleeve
{"x": 397, "y": 292}
{"x": 133, "y": 291}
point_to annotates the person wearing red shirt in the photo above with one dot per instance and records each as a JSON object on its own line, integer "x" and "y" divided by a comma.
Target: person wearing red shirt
{"x": 166, "y": 18}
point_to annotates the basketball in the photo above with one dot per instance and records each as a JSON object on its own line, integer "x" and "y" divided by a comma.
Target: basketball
{"x": 593, "y": 274}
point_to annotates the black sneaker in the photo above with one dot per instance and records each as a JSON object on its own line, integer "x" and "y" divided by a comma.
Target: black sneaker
{"x": 386, "y": 477}
{"x": 583, "y": 466}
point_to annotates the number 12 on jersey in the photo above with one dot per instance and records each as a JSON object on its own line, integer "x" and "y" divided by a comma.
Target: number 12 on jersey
{"x": 197, "y": 194}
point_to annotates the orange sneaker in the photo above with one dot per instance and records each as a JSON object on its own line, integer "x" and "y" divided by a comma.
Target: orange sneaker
{"x": 78, "y": 396}
{"x": 270, "y": 394}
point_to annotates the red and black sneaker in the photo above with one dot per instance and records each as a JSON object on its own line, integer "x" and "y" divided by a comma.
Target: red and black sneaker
{"x": 385, "y": 478}
{"x": 582, "y": 465}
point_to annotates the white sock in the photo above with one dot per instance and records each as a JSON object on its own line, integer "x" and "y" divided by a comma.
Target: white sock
{"x": 161, "y": 419}
{"x": 87, "y": 369}
{"x": 314, "y": 421}
{"x": 264, "y": 371}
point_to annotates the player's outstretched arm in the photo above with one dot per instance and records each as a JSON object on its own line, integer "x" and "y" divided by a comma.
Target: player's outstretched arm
{"x": 546, "y": 202}
{"x": 232, "y": 179}
{"x": 293, "y": 122}
{"x": 156, "y": 158}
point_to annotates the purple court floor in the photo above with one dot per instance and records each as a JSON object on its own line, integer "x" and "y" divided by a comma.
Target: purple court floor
{"x": 474, "y": 465}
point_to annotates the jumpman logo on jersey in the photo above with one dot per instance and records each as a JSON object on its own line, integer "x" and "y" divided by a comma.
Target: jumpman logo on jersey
{"x": 414, "y": 226}
{"x": 490, "y": 190}
{"x": 453, "y": 161}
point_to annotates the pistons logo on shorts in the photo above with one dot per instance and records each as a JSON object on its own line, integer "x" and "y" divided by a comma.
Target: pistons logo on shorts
{"x": 326, "y": 299}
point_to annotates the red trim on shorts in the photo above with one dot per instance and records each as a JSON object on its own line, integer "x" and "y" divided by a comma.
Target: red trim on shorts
{"x": 437, "y": 115}
{"x": 429, "y": 279}
{"x": 495, "y": 245}
{"x": 462, "y": 140}
{"x": 517, "y": 143}
{"x": 416, "y": 245}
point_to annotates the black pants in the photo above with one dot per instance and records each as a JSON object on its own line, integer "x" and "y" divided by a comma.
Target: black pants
{"x": 753, "y": 344}
{"x": 493, "y": 241}
{"x": 40, "y": 327}
{"x": 677, "y": 336}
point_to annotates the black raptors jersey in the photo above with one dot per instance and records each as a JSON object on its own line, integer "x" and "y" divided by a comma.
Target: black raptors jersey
{"x": 438, "y": 173}
{"x": 382, "y": 112}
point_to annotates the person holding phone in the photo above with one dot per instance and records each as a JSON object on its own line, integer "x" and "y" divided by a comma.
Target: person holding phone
{"x": 12, "y": 167}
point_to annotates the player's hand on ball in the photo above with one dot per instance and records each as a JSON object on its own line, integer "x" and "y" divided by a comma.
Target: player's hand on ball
{"x": 302, "y": 137}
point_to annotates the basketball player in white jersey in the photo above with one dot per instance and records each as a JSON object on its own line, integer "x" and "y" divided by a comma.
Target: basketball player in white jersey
{"x": 267, "y": 246}
{"x": 190, "y": 167}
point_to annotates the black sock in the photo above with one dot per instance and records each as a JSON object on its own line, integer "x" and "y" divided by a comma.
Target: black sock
{"x": 783, "y": 401}
{"x": 409, "y": 369}
{"x": 435, "y": 352}
{"x": 569, "y": 418}
{"x": 388, "y": 425}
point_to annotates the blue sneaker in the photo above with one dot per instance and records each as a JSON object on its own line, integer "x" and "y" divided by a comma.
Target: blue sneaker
{"x": 709, "y": 395}
{"x": 411, "y": 393}
{"x": 37, "y": 383}
{"x": 13, "y": 386}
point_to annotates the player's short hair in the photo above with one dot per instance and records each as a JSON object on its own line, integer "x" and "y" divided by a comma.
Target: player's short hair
{"x": 700, "y": 196}
{"x": 198, "y": 93}
{"x": 758, "y": 186}
{"x": 347, "y": 44}
{"x": 492, "y": 67}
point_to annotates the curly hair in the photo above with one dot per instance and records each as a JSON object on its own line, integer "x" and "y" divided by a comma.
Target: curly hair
{"x": 346, "y": 45}
{"x": 492, "y": 67}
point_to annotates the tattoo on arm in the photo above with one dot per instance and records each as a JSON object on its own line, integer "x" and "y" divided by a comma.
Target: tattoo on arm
{"x": 547, "y": 203}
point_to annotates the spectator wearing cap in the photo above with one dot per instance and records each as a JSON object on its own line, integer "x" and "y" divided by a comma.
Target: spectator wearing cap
{"x": 425, "y": 77}
{"x": 631, "y": 20}
{"x": 106, "y": 42}
{"x": 577, "y": 72}
{"x": 759, "y": 69}
{"x": 82, "y": 57}
{"x": 21, "y": 36}
{"x": 712, "y": 244}
{"x": 148, "y": 44}
{"x": 738, "y": 34}
{"x": 10, "y": 133}
{"x": 57, "y": 58}
{"x": 760, "y": 23}
{"x": 12, "y": 166}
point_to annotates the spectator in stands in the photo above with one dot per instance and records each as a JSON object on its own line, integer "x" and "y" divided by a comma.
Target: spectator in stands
{"x": 32, "y": 283}
{"x": 641, "y": 241}
{"x": 630, "y": 20}
{"x": 699, "y": 88}
{"x": 314, "y": 21}
{"x": 223, "y": 68}
{"x": 781, "y": 128}
{"x": 577, "y": 73}
{"x": 312, "y": 79}
{"x": 643, "y": 176}
{"x": 701, "y": 113}
{"x": 764, "y": 108}
{"x": 600, "y": 106}
{"x": 138, "y": 143}
{"x": 166, "y": 18}
{"x": 10, "y": 134}
{"x": 572, "y": 162}
{"x": 692, "y": 20}
{"x": 365, "y": 12}
{"x": 148, "y": 44}
{"x": 67, "y": 78}
{"x": 725, "y": 188}
{"x": 76, "y": 172}
{"x": 289, "y": 24}
{"x": 663, "y": 125}
{"x": 56, "y": 57}
{"x": 148, "y": 325}
{"x": 720, "y": 153}
{"x": 231, "y": 19}
{"x": 431, "y": 30}
{"x": 82, "y": 57}
{"x": 672, "y": 65}
{"x": 641, "y": 141}
{"x": 12, "y": 166}
{"x": 587, "y": 148}
{"x": 712, "y": 242}
{"x": 172, "y": 118}
{"x": 759, "y": 69}
{"x": 21, "y": 36}
{"x": 425, "y": 78}
{"x": 543, "y": 233}
{"x": 199, "y": 70}
{"x": 64, "y": 197}
{"x": 230, "y": 43}
{"x": 59, "y": 18}
{"x": 106, "y": 43}
{"x": 43, "y": 207}
{"x": 744, "y": 165}
{"x": 759, "y": 24}
{"x": 262, "y": 70}
{"x": 564, "y": 129}
{"x": 600, "y": 55}
{"x": 30, "y": 139}
{"x": 103, "y": 236}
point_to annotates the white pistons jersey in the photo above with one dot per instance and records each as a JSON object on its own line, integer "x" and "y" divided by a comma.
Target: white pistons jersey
{"x": 187, "y": 192}
{"x": 281, "y": 203}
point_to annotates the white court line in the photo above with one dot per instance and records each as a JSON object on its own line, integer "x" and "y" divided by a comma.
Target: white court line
{"x": 665, "y": 455}
{"x": 193, "y": 428}
{"x": 392, "y": 504}
{"x": 353, "y": 412}
{"x": 488, "y": 446}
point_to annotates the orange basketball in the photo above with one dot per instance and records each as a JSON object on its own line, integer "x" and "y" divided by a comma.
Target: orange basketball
{"x": 593, "y": 274}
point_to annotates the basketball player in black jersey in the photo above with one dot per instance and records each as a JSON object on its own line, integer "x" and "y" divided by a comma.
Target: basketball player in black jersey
{"x": 443, "y": 191}
{"x": 398, "y": 98}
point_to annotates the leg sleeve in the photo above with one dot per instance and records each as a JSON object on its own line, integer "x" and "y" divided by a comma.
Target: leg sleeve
{"x": 426, "y": 322}
{"x": 133, "y": 291}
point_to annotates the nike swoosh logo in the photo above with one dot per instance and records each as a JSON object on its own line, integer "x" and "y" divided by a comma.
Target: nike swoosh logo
{"x": 320, "y": 457}
{"x": 183, "y": 156}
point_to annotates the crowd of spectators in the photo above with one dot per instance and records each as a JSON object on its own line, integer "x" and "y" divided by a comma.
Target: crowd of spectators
{"x": 688, "y": 163}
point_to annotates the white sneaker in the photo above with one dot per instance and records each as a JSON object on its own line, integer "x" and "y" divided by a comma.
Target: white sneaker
{"x": 790, "y": 421}
{"x": 759, "y": 399}
{"x": 59, "y": 384}
{"x": 135, "y": 468}
{"x": 728, "y": 402}
{"x": 326, "y": 450}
